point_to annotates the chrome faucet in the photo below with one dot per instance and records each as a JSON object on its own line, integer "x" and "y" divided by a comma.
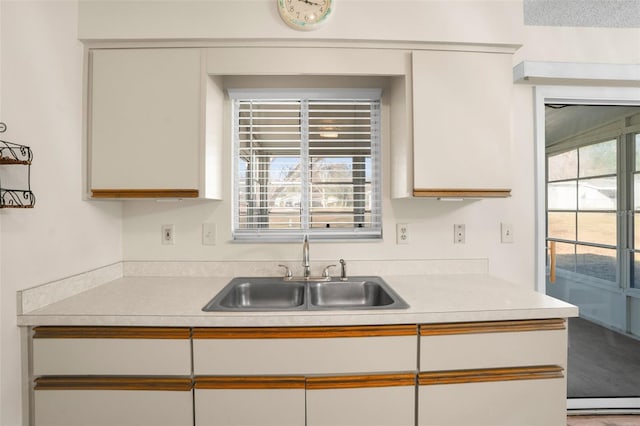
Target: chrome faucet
{"x": 305, "y": 257}
{"x": 343, "y": 270}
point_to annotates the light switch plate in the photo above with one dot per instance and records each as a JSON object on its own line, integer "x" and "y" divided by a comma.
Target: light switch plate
{"x": 167, "y": 235}
{"x": 506, "y": 233}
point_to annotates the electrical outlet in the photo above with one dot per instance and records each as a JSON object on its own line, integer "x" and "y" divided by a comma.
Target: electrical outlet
{"x": 209, "y": 234}
{"x": 402, "y": 233}
{"x": 167, "y": 234}
{"x": 506, "y": 233}
{"x": 459, "y": 233}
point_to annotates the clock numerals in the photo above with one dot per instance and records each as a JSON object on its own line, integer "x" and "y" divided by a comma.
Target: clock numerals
{"x": 304, "y": 14}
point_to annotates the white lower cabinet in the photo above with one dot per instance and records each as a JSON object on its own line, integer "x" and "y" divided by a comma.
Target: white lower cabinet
{"x": 375, "y": 401}
{"x": 112, "y": 407}
{"x": 310, "y": 376}
{"x": 249, "y": 401}
{"x": 112, "y": 376}
{"x": 499, "y": 373}
{"x": 505, "y": 373}
{"x": 537, "y": 402}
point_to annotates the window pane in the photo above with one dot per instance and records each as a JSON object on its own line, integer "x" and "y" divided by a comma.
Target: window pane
{"x": 284, "y": 193}
{"x": 562, "y": 195}
{"x": 596, "y": 262}
{"x": 635, "y": 283}
{"x": 561, "y": 225}
{"x": 566, "y": 257}
{"x": 599, "y": 228}
{"x": 597, "y": 194}
{"x": 636, "y": 191}
{"x": 636, "y": 230}
{"x": 637, "y": 150}
{"x": 563, "y": 166}
{"x": 598, "y": 159}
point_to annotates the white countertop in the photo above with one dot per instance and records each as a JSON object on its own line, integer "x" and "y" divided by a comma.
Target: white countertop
{"x": 178, "y": 301}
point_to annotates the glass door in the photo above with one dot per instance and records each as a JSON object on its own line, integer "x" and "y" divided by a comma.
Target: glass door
{"x": 593, "y": 241}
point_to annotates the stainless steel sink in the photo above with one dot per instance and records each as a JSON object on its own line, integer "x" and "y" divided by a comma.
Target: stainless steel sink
{"x": 259, "y": 294}
{"x": 353, "y": 294}
{"x": 277, "y": 294}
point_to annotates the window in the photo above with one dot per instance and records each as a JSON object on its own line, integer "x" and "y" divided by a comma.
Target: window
{"x": 306, "y": 162}
{"x": 582, "y": 210}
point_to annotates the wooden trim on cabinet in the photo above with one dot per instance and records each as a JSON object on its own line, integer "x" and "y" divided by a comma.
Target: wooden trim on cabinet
{"x": 250, "y": 382}
{"x": 492, "y": 327}
{"x": 462, "y": 193}
{"x": 368, "y": 381}
{"x": 144, "y": 193}
{"x": 114, "y": 383}
{"x": 491, "y": 375}
{"x": 55, "y": 332}
{"x": 303, "y": 332}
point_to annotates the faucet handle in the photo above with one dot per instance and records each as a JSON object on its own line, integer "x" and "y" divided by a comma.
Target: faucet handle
{"x": 287, "y": 271}
{"x": 325, "y": 271}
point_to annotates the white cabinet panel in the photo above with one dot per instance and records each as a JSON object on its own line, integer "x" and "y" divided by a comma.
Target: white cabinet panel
{"x": 371, "y": 406}
{"x": 461, "y": 121}
{"x": 506, "y": 403}
{"x": 145, "y": 119}
{"x": 111, "y": 356}
{"x": 113, "y": 408}
{"x": 250, "y": 407}
{"x": 493, "y": 350}
{"x": 304, "y": 356}
{"x": 136, "y": 351}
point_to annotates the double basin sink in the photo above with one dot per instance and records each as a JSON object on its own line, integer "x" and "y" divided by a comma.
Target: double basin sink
{"x": 246, "y": 294}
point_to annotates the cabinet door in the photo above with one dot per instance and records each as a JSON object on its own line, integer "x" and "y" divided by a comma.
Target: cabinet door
{"x": 250, "y": 401}
{"x": 145, "y": 122}
{"x": 512, "y": 402}
{"x": 376, "y": 400}
{"x": 461, "y": 123}
{"x": 112, "y": 402}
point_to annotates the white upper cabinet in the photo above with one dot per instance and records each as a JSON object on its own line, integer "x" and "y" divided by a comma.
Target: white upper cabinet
{"x": 461, "y": 123}
{"x": 146, "y": 123}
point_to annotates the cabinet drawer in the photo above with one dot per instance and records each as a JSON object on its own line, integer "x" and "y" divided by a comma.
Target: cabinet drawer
{"x": 109, "y": 402}
{"x": 306, "y": 350}
{"x": 111, "y": 350}
{"x": 492, "y": 345}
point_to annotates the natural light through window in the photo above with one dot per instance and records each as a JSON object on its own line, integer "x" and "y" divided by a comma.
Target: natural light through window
{"x": 582, "y": 204}
{"x": 306, "y": 163}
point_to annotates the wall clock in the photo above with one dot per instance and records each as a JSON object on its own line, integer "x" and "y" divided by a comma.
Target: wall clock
{"x": 305, "y": 14}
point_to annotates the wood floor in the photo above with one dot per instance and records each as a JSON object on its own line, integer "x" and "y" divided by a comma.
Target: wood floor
{"x": 602, "y": 363}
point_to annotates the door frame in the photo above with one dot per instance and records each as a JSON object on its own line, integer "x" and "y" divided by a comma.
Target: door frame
{"x": 578, "y": 95}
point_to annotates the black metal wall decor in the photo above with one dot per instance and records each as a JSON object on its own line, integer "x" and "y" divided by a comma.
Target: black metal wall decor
{"x": 15, "y": 154}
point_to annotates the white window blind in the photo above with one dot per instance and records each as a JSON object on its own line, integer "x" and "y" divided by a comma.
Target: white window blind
{"x": 306, "y": 163}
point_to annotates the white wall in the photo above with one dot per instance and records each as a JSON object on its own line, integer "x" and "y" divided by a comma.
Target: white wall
{"x": 41, "y": 82}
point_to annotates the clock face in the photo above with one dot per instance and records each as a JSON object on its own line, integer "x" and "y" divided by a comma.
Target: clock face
{"x": 304, "y": 14}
